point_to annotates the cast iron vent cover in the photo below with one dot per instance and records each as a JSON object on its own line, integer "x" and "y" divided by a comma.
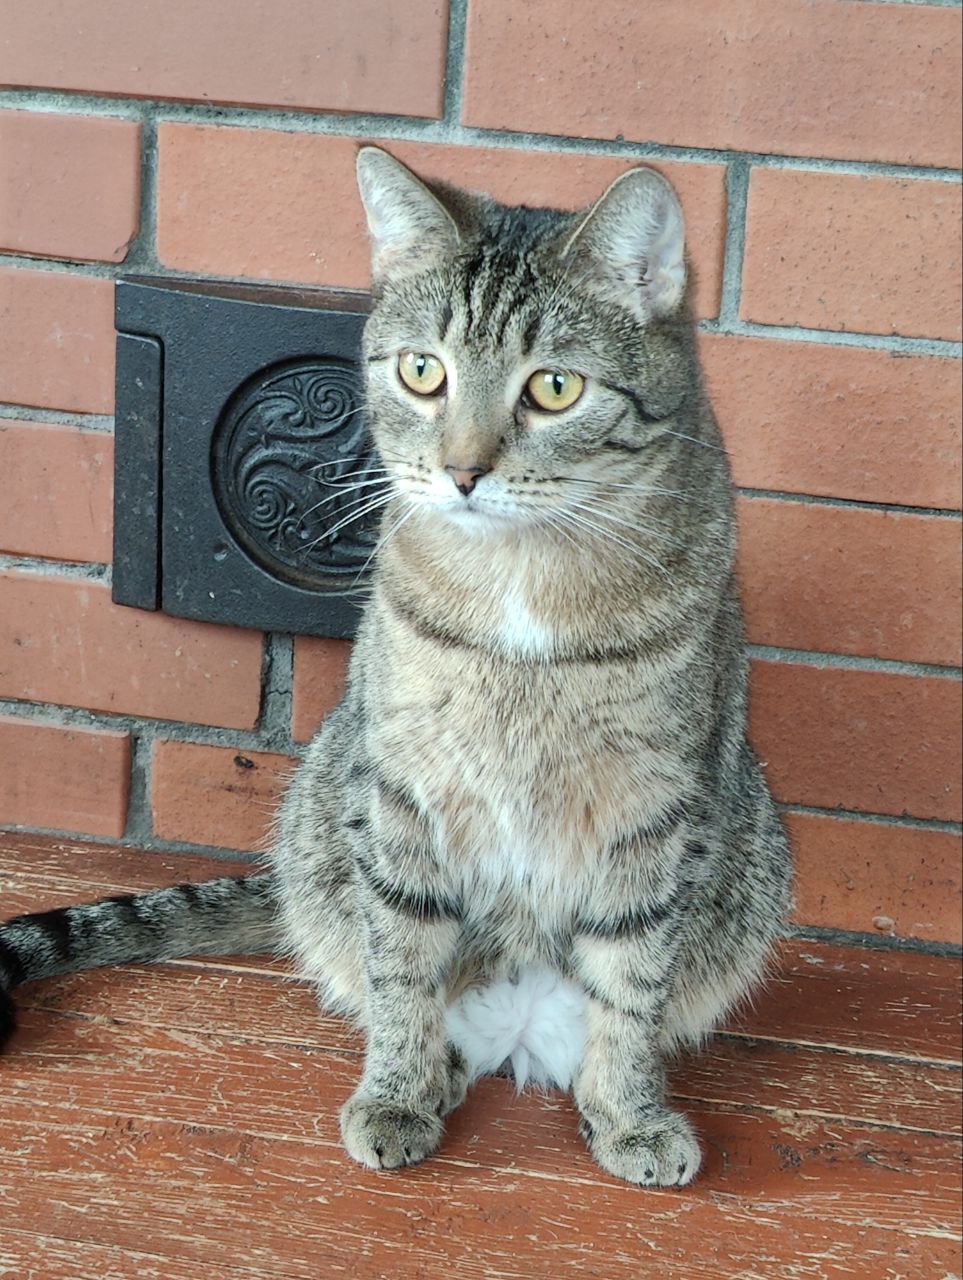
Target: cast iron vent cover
{"x": 240, "y": 442}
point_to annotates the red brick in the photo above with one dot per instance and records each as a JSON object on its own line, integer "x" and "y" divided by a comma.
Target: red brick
{"x": 65, "y": 778}
{"x": 219, "y": 796}
{"x": 874, "y": 741}
{"x": 57, "y": 491}
{"x": 843, "y": 580}
{"x": 326, "y": 55}
{"x": 301, "y": 219}
{"x": 861, "y": 875}
{"x": 62, "y": 640}
{"x": 320, "y": 668}
{"x": 69, "y": 185}
{"x": 838, "y": 422}
{"x": 799, "y": 77}
{"x": 57, "y": 340}
{"x": 853, "y": 253}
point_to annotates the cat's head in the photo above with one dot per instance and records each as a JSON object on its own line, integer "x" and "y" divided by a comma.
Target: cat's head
{"x": 515, "y": 354}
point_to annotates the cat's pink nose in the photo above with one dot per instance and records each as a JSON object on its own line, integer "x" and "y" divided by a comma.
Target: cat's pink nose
{"x": 465, "y": 478}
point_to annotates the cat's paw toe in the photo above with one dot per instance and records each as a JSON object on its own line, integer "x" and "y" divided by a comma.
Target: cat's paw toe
{"x": 455, "y": 1081}
{"x": 385, "y": 1135}
{"x": 660, "y": 1152}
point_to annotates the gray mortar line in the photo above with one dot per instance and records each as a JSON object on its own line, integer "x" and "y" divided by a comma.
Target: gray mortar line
{"x": 857, "y": 662}
{"x": 82, "y": 570}
{"x": 149, "y": 728}
{"x": 141, "y": 255}
{"x": 139, "y": 826}
{"x": 101, "y": 422}
{"x": 277, "y": 685}
{"x": 897, "y": 344}
{"x": 880, "y": 819}
{"x": 61, "y": 266}
{"x": 417, "y": 129}
{"x": 927, "y": 4}
{"x": 872, "y": 941}
{"x": 149, "y": 844}
{"x": 737, "y": 199}
{"x": 153, "y": 729}
{"x": 454, "y": 86}
{"x": 857, "y": 504}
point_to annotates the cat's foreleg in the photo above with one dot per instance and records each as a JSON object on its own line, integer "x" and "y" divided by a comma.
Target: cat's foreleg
{"x": 620, "y": 1087}
{"x": 412, "y": 1077}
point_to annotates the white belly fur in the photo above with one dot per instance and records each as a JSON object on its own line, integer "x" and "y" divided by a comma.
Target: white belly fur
{"x": 534, "y": 1025}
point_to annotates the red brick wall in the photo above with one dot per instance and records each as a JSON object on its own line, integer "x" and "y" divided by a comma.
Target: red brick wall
{"x": 813, "y": 144}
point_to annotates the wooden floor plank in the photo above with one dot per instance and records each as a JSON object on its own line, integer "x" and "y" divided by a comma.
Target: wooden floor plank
{"x": 902, "y": 1003}
{"x": 848, "y": 1208}
{"x": 272, "y": 1016}
{"x": 38, "y": 873}
{"x": 131, "y": 1077}
{"x": 181, "y": 1122}
{"x": 280, "y": 1092}
{"x": 25, "y": 1255}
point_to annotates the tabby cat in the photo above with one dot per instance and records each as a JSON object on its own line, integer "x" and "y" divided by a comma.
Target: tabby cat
{"x": 532, "y": 837}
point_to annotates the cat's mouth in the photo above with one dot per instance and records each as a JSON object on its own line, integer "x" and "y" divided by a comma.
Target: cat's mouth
{"x": 474, "y": 512}
{"x": 483, "y": 507}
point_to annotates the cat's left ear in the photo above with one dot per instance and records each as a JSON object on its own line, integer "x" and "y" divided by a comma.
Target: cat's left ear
{"x": 632, "y": 241}
{"x": 410, "y": 227}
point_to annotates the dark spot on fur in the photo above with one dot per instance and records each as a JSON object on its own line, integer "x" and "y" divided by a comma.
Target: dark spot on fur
{"x": 10, "y": 965}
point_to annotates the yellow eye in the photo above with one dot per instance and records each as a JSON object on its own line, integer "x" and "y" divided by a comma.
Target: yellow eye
{"x": 421, "y": 373}
{"x": 554, "y": 389}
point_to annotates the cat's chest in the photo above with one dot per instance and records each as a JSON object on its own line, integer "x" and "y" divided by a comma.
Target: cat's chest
{"x": 524, "y": 769}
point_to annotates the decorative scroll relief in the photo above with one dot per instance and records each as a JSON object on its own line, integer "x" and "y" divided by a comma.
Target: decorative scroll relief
{"x": 294, "y": 471}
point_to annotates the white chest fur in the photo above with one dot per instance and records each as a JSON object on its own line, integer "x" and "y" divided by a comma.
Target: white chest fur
{"x": 520, "y": 632}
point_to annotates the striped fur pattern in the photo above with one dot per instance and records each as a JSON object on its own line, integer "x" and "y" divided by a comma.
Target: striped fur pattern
{"x": 532, "y": 835}
{"x": 237, "y": 913}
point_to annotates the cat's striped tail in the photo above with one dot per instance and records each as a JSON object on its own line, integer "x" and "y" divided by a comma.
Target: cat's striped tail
{"x": 236, "y": 915}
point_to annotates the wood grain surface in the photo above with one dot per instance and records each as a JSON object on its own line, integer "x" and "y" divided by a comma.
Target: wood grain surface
{"x": 180, "y": 1123}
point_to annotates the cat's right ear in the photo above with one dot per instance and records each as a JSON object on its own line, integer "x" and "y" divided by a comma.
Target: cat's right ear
{"x": 409, "y": 226}
{"x": 632, "y": 243}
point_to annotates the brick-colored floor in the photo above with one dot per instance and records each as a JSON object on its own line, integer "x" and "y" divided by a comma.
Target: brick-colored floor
{"x": 180, "y": 1123}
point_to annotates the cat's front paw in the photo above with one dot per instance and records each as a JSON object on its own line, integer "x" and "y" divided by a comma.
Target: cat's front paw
{"x": 386, "y": 1135}
{"x": 658, "y": 1152}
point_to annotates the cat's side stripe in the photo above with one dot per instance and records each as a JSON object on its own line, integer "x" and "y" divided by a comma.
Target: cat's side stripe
{"x": 418, "y": 904}
{"x": 637, "y": 920}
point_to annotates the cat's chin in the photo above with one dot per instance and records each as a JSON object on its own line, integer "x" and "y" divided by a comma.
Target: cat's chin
{"x": 479, "y": 520}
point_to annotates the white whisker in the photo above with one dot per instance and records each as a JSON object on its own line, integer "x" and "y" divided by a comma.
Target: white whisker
{"x": 381, "y": 501}
{"x": 384, "y": 539}
{"x": 635, "y": 527}
{"x": 342, "y": 490}
{"x": 547, "y": 518}
{"x": 606, "y": 535}
{"x": 703, "y": 444}
{"x": 644, "y": 489}
{"x": 347, "y": 475}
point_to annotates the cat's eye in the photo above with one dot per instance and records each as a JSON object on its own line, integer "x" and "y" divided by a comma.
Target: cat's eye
{"x": 421, "y": 373}
{"x": 554, "y": 389}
